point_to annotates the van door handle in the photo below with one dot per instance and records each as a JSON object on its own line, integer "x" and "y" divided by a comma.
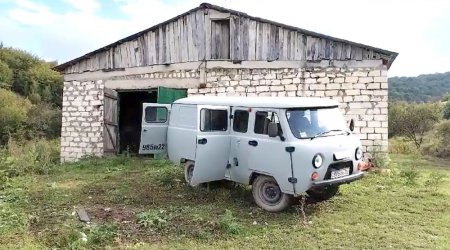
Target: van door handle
{"x": 145, "y": 130}
{"x": 253, "y": 143}
{"x": 202, "y": 141}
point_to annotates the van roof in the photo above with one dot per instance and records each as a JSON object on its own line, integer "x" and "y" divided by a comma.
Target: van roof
{"x": 259, "y": 102}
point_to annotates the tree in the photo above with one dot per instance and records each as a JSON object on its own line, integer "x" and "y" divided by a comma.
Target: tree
{"x": 6, "y": 75}
{"x": 413, "y": 120}
{"x": 13, "y": 114}
{"x": 447, "y": 110}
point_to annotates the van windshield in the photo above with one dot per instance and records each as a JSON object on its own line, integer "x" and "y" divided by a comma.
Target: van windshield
{"x": 311, "y": 123}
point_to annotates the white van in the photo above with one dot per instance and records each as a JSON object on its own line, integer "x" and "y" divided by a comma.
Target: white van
{"x": 282, "y": 146}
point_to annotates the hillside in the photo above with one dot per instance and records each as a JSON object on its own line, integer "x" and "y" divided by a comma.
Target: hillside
{"x": 422, "y": 88}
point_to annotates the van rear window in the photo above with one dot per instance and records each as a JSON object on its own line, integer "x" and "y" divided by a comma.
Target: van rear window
{"x": 213, "y": 120}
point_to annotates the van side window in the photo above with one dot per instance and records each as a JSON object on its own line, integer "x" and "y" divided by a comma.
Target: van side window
{"x": 213, "y": 120}
{"x": 155, "y": 114}
{"x": 240, "y": 121}
{"x": 262, "y": 120}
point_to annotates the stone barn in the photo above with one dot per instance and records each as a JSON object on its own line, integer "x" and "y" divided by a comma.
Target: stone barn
{"x": 211, "y": 50}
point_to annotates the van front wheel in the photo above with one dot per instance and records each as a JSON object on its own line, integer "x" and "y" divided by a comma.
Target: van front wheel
{"x": 267, "y": 194}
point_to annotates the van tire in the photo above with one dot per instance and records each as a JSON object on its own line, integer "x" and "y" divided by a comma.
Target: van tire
{"x": 323, "y": 194}
{"x": 188, "y": 171}
{"x": 267, "y": 194}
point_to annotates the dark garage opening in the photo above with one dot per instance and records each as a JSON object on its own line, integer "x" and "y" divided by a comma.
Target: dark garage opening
{"x": 130, "y": 115}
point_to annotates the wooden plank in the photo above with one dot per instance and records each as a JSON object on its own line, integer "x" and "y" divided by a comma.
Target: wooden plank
{"x": 356, "y": 53}
{"x": 328, "y": 48}
{"x": 185, "y": 54}
{"x": 190, "y": 37}
{"x": 167, "y": 42}
{"x": 171, "y": 42}
{"x": 297, "y": 45}
{"x": 252, "y": 33}
{"x": 200, "y": 19}
{"x": 244, "y": 29}
{"x": 281, "y": 55}
{"x": 322, "y": 46}
{"x": 265, "y": 41}
{"x": 259, "y": 41}
{"x": 236, "y": 50}
{"x": 208, "y": 37}
{"x": 273, "y": 43}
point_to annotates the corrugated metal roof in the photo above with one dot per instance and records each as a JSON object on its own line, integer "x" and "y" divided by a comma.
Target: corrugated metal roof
{"x": 391, "y": 54}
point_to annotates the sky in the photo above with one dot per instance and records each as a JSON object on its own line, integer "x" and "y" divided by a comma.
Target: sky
{"x": 419, "y": 30}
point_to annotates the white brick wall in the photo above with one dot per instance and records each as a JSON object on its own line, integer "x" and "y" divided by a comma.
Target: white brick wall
{"x": 362, "y": 93}
{"x": 82, "y": 120}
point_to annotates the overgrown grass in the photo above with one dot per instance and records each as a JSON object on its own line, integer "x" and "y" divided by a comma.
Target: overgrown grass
{"x": 143, "y": 203}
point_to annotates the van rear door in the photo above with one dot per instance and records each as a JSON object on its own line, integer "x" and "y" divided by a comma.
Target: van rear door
{"x": 155, "y": 120}
{"x": 213, "y": 144}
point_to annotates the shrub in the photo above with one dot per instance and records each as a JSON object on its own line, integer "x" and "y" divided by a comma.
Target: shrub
{"x": 6, "y": 75}
{"x": 446, "y": 110}
{"x": 413, "y": 120}
{"x": 435, "y": 179}
{"x": 13, "y": 115}
{"x": 411, "y": 176}
{"x": 43, "y": 121}
{"x": 228, "y": 223}
{"x": 32, "y": 157}
{"x": 437, "y": 142}
{"x": 154, "y": 219}
{"x": 400, "y": 145}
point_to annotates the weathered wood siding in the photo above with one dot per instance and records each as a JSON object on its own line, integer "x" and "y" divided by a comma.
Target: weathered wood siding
{"x": 198, "y": 36}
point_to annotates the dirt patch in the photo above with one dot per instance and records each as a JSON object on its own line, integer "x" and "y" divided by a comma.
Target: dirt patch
{"x": 101, "y": 214}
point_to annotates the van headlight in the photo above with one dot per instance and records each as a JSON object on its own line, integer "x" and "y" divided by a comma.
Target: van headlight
{"x": 317, "y": 161}
{"x": 358, "y": 153}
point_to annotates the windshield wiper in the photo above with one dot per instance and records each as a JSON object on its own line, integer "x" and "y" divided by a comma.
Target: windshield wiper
{"x": 328, "y": 131}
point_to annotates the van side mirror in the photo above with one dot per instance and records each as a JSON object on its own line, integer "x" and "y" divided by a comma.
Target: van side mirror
{"x": 272, "y": 130}
{"x": 352, "y": 125}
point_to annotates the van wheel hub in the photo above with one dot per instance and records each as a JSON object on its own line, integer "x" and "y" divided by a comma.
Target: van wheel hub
{"x": 271, "y": 192}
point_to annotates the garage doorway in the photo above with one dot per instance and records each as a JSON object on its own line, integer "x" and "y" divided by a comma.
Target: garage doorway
{"x": 130, "y": 113}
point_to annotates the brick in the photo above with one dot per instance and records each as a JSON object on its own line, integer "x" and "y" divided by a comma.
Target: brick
{"x": 359, "y": 73}
{"x": 275, "y": 82}
{"x": 286, "y": 81}
{"x": 351, "y": 79}
{"x": 331, "y": 93}
{"x": 375, "y": 85}
{"x": 318, "y": 74}
{"x": 310, "y": 80}
{"x": 276, "y": 88}
{"x": 262, "y": 88}
{"x": 323, "y": 80}
{"x": 380, "y": 79}
{"x": 352, "y": 92}
{"x": 365, "y": 79}
{"x": 244, "y": 82}
{"x": 339, "y": 80}
{"x": 374, "y": 73}
{"x": 290, "y": 87}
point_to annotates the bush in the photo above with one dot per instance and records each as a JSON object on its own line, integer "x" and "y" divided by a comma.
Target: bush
{"x": 229, "y": 224}
{"x": 446, "y": 110}
{"x": 413, "y": 121}
{"x": 154, "y": 219}
{"x": 43, "y": 121}
{"x": 13, "y": 115}
{"x": 400, "y": 145}
{"x": 411, "y": 176}
{"x": 6, "y": 75}
{"x": 33, "y": 157}
{"x": 437, "y": 142}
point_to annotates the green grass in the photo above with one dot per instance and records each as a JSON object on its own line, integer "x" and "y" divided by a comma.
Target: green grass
{"x": 141, "y": 203}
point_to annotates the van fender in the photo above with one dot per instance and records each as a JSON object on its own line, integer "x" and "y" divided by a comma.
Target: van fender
{"x": 256, "y": 173}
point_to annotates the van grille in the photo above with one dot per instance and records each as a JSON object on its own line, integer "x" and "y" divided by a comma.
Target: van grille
{"x": 337, "y": 166}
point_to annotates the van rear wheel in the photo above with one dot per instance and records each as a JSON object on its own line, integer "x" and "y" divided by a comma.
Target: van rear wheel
{"x": 267, "y": 194}
{"x": 188, "y": 172}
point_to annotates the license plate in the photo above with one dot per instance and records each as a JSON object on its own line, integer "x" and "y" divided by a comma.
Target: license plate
{"x": 340, "y": 173}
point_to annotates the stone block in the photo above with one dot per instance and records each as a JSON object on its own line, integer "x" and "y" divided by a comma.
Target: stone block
{"x": 374, "y": 73}
{"x": 286, "y": 81}
{"x": 359, "y": 73}
{"x": 290, "y": 87}
{"x": 262, "y": 88}
{"x": 351, "y": 79}
{"x": 365, "y": 80}
{"x": 310, "y": 80}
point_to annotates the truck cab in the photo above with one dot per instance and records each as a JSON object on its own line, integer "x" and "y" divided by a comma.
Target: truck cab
{"x": 282, "y": 146}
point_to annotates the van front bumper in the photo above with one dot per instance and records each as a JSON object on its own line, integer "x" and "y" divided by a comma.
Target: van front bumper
{"x": 343, "y": 180}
